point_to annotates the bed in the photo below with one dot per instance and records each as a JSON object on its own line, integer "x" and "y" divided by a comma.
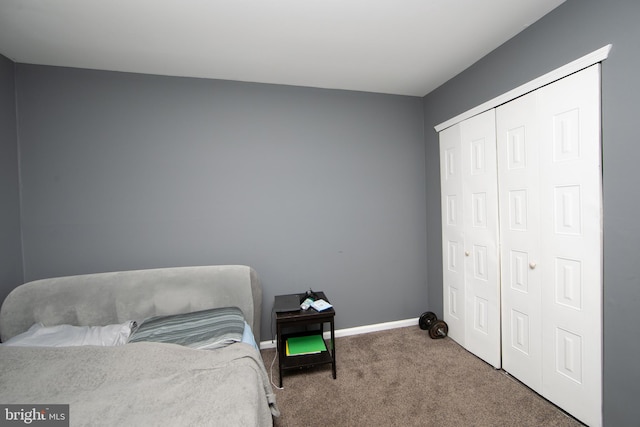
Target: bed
{"x": 143, "y": 382}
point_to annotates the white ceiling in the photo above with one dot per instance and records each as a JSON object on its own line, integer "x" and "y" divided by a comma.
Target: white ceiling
{"x": 407, "y": 47}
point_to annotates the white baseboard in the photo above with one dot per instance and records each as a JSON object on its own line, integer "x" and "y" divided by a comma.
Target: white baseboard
{"x": 356, "y": 330}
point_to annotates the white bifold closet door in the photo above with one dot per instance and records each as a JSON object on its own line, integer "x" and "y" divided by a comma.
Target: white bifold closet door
{"x": 522, "y": 240}
{"x": 549, "y": 175}
{"x": 470, "y": 235}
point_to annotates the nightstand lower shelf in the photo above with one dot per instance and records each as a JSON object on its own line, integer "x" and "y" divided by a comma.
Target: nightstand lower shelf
{"x": 305, "y": 360}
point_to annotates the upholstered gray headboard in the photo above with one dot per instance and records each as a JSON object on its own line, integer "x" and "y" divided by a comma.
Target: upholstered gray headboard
{"x": 108, "y": 298}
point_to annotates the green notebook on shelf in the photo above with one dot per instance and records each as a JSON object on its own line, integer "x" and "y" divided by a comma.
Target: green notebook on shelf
{"x": 308, "y": 344}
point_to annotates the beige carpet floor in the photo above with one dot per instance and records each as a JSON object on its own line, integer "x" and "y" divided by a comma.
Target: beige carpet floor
{"x": 401, "y": 377}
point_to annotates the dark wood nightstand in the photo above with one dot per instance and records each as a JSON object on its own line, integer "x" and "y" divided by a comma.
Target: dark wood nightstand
{"x": 293, "y": 319}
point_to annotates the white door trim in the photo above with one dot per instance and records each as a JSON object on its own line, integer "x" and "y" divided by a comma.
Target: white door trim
{"x": 557, "y": 74}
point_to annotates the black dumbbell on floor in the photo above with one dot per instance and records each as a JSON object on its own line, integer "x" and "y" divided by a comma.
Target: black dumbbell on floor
{"x": 429, "y": 322}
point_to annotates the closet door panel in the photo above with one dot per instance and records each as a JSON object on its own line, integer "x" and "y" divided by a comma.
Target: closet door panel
{"x": 452, "y": 232}
{"x": 480, "y": 214}
{"x": 518, "y": 172}
{"x": 534, "y": 298}
{"x": 571, "y": 197}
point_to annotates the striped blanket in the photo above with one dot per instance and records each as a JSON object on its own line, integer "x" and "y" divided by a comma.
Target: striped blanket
{"x": 206, "y": 329}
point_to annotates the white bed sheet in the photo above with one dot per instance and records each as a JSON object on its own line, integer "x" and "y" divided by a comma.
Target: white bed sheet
{"x": 39, "y": 335}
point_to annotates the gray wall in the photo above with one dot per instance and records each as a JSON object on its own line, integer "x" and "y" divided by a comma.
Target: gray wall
{"x": 10, "y": 244}
{"x": 313, "y": 188}
{"x": 574, "y": 29}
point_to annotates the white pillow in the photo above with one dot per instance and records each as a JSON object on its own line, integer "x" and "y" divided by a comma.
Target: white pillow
{"x": 67, "y": 335}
